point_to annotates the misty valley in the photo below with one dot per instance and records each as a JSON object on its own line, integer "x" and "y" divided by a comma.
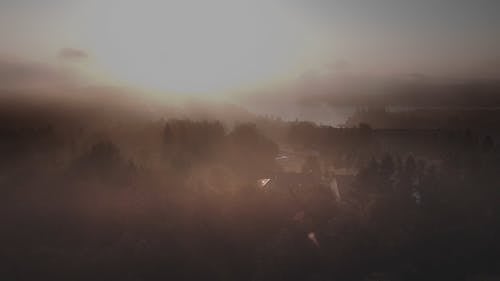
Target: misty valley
{"x": 261, "y": 140}
{"x": 104, "y": 195}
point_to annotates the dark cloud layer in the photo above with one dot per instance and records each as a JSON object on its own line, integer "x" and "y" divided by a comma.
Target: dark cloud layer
{"x": 72, "y": 54}
{"x": 416, "y": 90}
{"x": 17, "y": 74}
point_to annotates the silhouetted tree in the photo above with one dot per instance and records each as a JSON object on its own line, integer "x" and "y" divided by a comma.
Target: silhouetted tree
{"x": 387, "y": 167}
{"x": 312, "y": 167}
{"x": 251, "y": 152}
{"x": 488, "y": 144}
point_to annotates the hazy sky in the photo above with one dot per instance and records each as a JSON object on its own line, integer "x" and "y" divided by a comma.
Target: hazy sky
{"x": 203, "y": 46}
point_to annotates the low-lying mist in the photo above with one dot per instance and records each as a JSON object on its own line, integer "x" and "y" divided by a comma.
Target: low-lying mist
{"x": 103, "y": 185}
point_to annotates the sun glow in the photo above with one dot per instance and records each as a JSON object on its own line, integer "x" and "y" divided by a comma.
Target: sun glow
{"x": 195, "y": 46}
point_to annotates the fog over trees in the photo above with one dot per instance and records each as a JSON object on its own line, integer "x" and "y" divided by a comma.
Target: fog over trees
{"x": 146, "y": 198}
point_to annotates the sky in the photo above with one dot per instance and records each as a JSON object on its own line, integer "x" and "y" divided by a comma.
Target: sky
{"x": 206, "y": 47}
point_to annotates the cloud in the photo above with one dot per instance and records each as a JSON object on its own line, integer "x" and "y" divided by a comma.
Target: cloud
{"x": 72, "y": 54}
{"x": 492, "y": 67}
{"x": 340, "y": 65}
{"x": 20, "y": 74}
{"x": 418, "y": 91}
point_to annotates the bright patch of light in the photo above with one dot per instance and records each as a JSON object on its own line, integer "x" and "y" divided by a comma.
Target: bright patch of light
{"x": 195, "y": 46}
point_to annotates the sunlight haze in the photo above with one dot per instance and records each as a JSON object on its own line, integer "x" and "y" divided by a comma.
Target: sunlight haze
{"x": 205, "y": 48}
